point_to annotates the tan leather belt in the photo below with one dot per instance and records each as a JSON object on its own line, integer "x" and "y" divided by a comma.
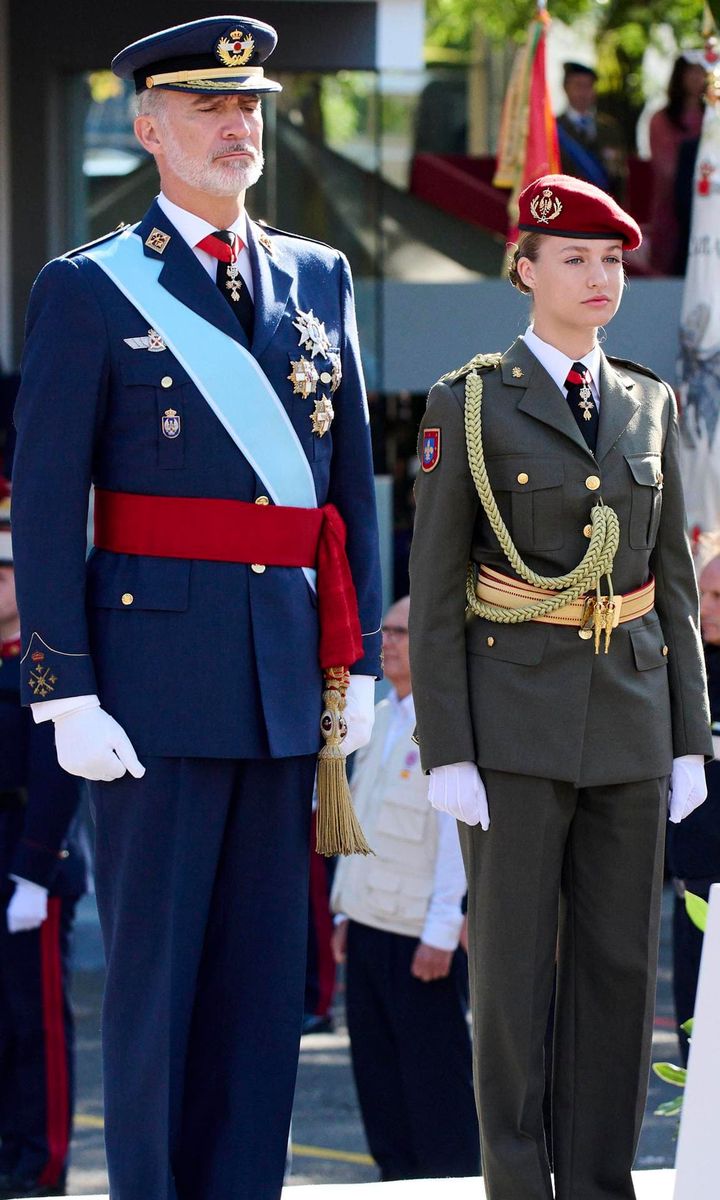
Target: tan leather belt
{"x": 495, "y": 588}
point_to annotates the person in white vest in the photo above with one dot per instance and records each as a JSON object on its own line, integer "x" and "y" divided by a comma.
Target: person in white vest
{"x": 398, "y": 925}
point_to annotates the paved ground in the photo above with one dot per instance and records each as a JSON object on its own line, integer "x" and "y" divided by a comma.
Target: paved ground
{"x": 329, "y": 1146}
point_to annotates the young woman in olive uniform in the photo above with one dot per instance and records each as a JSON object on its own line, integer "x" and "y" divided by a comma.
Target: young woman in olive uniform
{"x": 559, "y": 690}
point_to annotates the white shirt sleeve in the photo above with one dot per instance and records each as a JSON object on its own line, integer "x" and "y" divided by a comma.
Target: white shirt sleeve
{"x": 444, "y": 916}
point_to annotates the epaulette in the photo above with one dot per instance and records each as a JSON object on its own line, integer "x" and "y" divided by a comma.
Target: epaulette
{"x": 478, "y": 363}
{"x": 96, "y": 241}
{"x": 628, "y": 364}
{"x": 298, "y": 236}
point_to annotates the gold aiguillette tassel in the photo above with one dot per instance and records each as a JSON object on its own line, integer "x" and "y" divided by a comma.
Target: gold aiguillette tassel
{"x": 338, "y": 829}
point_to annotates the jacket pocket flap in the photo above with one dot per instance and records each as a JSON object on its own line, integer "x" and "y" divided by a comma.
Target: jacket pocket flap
{"x": 645, "y": 468}
{"x": 150, "y": 370}
{"x": 523, "y": 643}
{"x": 523, "y": 473}
{"x": 648, "y": 646}
{"x": 128, "y": 582}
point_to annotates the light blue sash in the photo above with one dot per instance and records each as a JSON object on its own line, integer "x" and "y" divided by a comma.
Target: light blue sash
{"x": 225, "y": 373}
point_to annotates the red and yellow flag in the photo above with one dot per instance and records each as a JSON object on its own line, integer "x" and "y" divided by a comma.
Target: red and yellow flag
{"x": 528, "y": 142}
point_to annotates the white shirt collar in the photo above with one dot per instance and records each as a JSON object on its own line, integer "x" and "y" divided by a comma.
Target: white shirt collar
{"x": 193, "y": 228}
{"x": 558, "y": 364}
{"x": 402, "y": 709}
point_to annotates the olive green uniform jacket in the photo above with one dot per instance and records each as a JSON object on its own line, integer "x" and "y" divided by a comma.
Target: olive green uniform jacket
{"x": 534, "y": 698}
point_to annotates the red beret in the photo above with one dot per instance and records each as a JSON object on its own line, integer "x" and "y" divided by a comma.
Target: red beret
{"x": 567, "y": 207}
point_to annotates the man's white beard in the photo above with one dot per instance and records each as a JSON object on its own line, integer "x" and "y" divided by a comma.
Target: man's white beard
{"x": 217, "y": 177}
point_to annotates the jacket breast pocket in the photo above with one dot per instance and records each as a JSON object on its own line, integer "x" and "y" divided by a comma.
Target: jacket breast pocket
{"x": 646, "y": 503}
{"x": 529, "y": 494}
{"x": 128, "y": 582}
{"x": 156, "y": 393}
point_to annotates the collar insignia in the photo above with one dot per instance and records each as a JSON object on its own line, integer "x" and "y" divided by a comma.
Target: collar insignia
{"x": 157, "y": 240}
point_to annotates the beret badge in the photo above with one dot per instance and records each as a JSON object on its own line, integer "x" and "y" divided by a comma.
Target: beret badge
{"x": 235, "y": 48}
{"x": 546, "y": 207}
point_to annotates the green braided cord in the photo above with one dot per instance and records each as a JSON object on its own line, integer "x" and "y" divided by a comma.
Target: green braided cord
{"x": 586, "y": 576}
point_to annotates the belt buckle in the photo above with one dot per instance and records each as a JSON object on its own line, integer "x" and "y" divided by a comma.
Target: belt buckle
{"x": 618, "y": 602}
{"x": 586, "y": 621}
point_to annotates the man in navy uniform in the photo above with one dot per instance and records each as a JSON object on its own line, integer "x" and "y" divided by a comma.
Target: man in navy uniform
{"x": 203, "y": 374}
{"x": 42, "y": 874}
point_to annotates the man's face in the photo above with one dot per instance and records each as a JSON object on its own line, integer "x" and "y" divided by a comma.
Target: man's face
{"x": 580, "y": 91}
{"x": 710, "y": 602}
{"x": 210, "y": 142}
{"x": 396, "y": 647}
{"x": 8, "y": 603}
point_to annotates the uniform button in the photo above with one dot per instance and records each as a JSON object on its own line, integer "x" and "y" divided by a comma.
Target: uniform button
{"x": 665, "y": 651}
{"x": 127, "y": 597}
{"x": 258, "y": 568}
{"x": 262, "y": 500}
{"x": 592, "y": 483}
{"x": 326, "y": 377}
{"x": 166, "y": 381}
{"x": 523, "y": 477}
{"x": 588, "y": 531}
{"x": 491, "y": 641}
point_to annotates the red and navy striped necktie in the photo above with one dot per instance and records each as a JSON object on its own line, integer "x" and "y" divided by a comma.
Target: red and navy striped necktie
{"x": 582, "y": 402}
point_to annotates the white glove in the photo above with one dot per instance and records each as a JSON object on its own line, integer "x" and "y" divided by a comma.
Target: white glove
{"x": 359, "y": 712}
{"x": 27, "y": 908}
{"x": 90, "y": 743}
{"x": 688, "y": 786}
{"x": 459, "y": 790}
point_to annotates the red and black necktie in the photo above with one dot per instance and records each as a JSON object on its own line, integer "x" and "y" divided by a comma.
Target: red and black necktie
{"x": 225, "y": 247}
{"x": 582, "y": 402}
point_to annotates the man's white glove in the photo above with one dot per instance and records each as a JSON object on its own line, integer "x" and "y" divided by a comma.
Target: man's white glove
{"x": 359, "y": 712}
{"x": 458, "y": 789}
{"x": 27, "y": 908}
{"x": 688, "y": 786}
{"x": 90, "y": 743}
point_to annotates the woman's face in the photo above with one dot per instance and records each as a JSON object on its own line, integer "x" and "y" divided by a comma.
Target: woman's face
{"x": 694, "y": 81}
{"x": 576, "y": 285}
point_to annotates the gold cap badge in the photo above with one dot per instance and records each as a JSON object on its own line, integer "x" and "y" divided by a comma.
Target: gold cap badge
{"x": 546, "y": 207}
{"x": 235, "y": 48}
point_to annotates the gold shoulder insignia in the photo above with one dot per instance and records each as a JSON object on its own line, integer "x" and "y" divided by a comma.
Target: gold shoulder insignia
{"x": 478, "y": 363}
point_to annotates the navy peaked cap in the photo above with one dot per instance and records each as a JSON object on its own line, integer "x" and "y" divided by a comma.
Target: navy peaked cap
{"x": 215, "y": 54}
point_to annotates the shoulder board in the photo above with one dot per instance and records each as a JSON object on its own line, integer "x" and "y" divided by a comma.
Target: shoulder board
{"x": 96, "y": 241}
{"x": 265, "y": 228}
{"x": 629, "y": 365}
{"x": 479, "y": 363}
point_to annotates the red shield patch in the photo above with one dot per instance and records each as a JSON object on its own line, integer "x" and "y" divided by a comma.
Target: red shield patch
{"x": 430, "y": 449}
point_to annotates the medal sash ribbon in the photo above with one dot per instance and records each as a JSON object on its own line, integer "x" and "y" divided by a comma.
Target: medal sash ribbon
{"x": 234, "y": 531}
{"x": 228, "y": 377}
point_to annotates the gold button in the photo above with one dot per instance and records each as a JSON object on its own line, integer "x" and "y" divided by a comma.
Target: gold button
{"x": 258, "y": 568}
{"x": 585, "y": 634}
{"x": 166, "y": 381}
{"x": 588, "y": 531}
{"x": 523, "y": 477}
{"x": 262, "y": 500}
{"x": 127, "y": 597}
{"x": 665, "y": 651}
{"x": 592, "y": 483}
{"x": 326, "y": 377}
{"x": 491, "y": 641}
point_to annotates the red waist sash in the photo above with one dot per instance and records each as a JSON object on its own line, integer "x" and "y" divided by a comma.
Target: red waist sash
{"x": 234, "y": 531}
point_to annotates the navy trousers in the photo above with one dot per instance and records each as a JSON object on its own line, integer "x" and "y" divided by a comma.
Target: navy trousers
{"x": 412, "y": 1059}
{"x": 202, "y": 877}
{"x": 36, "y": 1046}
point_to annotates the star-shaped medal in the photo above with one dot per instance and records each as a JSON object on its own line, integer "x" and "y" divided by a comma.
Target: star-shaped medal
{"x": 303, "y": 377}
{"x": 312, "y": 332}
{"x": 323, "y": 415}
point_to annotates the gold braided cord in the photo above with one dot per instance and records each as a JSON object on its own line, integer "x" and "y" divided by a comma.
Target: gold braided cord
{"x": 585, "y": 577}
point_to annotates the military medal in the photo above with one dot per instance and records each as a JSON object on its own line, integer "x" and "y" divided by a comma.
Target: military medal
{"x": 234, "y": 281}
{"x": 152, "y": 342}
{"x": 312, "y": 332}
{"x": 336, "y": 370}
{"x": 322, "y": 416}
{"x": 303, "y": 377}
{"x": 586, "y": 401}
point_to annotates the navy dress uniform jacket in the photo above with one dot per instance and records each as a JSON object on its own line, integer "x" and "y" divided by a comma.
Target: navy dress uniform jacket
{"x": 193, "y": 658}
{"x": 38, "y": 800}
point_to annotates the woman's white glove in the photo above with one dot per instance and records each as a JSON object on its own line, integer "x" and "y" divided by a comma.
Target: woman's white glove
{"x": 359, "y": 712}
{"x": 458, "y": 789}
{"x": 90, "y": 743}
{"x": 688, "y": 786}
{"x": 27, "y": 908}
